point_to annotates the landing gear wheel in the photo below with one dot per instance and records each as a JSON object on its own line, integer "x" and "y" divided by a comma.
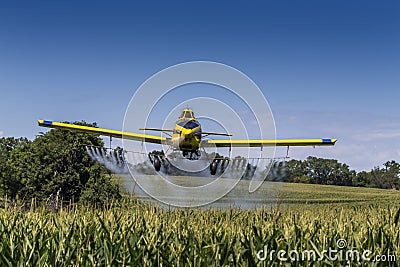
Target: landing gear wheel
{"x": 213, "y": 167}
{"x": 157, "y": 163}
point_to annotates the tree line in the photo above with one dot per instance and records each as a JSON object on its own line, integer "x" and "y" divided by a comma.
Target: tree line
{"x": 315, "y": 170}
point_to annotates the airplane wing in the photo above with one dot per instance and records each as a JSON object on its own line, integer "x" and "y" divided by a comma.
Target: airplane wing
{"x": 160, "y": 140}
{"x": 278, "y": 142}
{"x": 104, "y": 132}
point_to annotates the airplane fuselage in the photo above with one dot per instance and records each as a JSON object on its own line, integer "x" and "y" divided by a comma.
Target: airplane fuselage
{"x": 186, "y": 135}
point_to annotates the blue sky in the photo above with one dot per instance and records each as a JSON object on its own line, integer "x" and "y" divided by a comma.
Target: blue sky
{"x": 327, "y": 68}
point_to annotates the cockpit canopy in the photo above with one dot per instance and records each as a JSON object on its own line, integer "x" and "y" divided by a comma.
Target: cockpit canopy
{"x": 187, "y": 114}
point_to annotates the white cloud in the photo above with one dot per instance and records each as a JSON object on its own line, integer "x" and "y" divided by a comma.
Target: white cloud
{"x": 1, "y": 133}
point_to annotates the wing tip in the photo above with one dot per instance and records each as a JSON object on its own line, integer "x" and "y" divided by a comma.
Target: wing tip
{"x": 329, "y": 141}
{"x": 45, "y": 123}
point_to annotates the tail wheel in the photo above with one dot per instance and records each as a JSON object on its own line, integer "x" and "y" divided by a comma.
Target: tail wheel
{"x": 157, "y": 163}
{"x": 213, "y": 167}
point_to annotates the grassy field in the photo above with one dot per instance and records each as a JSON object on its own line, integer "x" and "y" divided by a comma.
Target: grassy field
{"x": 271, "y": 194}
{"x": 304, "y": 218}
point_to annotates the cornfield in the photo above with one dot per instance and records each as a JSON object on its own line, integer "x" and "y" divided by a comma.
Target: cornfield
{"x": 137, "y": 234}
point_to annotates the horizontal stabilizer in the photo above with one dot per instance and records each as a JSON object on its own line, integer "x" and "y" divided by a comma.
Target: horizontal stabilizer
{"x": 212, "y": 133}
{"x": 156, "y": 129}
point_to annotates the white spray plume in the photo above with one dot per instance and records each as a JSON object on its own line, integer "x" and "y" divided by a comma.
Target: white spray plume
{"x": 112, "y": 159}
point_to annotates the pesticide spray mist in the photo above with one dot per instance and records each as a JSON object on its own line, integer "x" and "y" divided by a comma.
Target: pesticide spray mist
{"x": 239, "y": 197}
{"x": 110, "y": 158}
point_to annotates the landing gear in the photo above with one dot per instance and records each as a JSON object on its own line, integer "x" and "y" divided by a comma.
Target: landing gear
{"x": 222, "y": 164}
{"x": 156, "y": 161}
{"x": 214, "y": 167}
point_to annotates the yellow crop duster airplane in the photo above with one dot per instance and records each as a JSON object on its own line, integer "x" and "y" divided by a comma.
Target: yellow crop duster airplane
{"x": 187, "y": 137}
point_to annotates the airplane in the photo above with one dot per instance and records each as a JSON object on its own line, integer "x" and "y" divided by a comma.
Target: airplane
{"x": 186, "y": 137}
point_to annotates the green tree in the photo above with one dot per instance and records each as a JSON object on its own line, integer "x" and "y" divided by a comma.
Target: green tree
{"x": 386, "y": 177}
{"x": 7, "y": 145}
{"x": 295, "y": 171}
{"x": 55, "y": 161}
{"x": 99, "y": 191}
{"x": 392, "y": 174}
{"x": 363, "y": 179}
{"x": 328, "y": 171}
